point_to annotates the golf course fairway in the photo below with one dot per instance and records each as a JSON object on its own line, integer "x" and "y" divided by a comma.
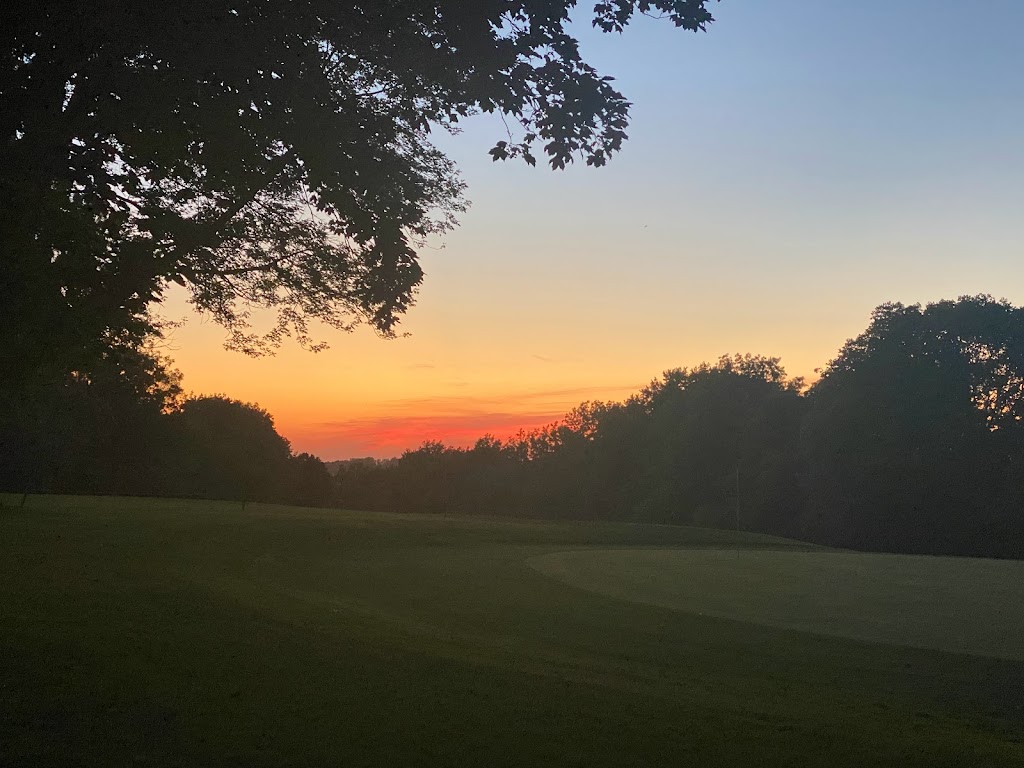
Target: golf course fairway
{"x": 171, "y": 633}
{"x": 961, "y": 605}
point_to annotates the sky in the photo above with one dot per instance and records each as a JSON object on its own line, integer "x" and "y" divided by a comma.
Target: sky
{"x": 786, "y": 172}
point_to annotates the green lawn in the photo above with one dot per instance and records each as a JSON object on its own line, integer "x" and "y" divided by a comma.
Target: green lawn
{"x": 958, "y": 604}
{"x": 152, "y": 632}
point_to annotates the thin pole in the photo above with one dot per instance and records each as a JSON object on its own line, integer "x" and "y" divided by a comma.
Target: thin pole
{"x": 737, "y": 511}
{"x": 737, "y": 498}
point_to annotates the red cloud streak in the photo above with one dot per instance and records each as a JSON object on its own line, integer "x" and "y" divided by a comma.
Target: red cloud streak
{"x": 385, "y": 436}
{"x": 460, "y": 422}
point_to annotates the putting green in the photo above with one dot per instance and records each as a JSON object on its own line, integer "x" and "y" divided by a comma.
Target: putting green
{"x": 962, "y": 605}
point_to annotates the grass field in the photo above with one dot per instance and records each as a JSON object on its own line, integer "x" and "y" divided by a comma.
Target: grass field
{"x": 173, "y": 633}
{"x": 963, "y": 605}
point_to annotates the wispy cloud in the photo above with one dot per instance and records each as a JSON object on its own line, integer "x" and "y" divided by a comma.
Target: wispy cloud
{"x": 383, "y": 436}
{"x": 402, "y": 424}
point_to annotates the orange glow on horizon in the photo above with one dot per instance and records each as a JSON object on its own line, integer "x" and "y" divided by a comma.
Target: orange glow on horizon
{"x": 392, "y": 428}
{"x": 384, "y": 437}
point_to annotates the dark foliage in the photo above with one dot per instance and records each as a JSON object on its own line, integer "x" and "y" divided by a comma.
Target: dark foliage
{"x": 912, "y": 440}
{"x": 262, "y": 153}
{"x": 670, "y": 454}
{"x": 124, "y": 429}
{"x": 100, "y": 429}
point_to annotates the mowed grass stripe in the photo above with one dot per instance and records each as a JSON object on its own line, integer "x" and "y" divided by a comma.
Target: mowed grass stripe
{"x": 176, "y": 633}
{"x": 960, "y": 605}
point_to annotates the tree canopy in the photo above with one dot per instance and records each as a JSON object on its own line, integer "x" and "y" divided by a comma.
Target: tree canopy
{"x": 911, "y": 440}
{"x": 265, "y": 154}
{"x": 914, "y": 435}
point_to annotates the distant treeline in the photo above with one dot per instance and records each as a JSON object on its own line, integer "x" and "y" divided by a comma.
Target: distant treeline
{"x": 911, "y": 440}
{"x": 123, "y": 427}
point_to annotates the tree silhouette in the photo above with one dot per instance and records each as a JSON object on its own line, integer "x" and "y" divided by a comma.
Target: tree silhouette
{"x": 263, "y": 153}
{"x": 912, "y": 440}
{"x": 100, "y": 429}
{"x": 914, "y": 437}
{"x": 230, "y": 451}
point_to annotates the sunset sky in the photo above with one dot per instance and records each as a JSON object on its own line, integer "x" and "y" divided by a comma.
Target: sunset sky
{"x": 785, "y": 173}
